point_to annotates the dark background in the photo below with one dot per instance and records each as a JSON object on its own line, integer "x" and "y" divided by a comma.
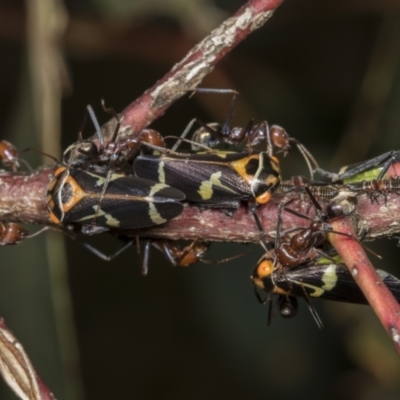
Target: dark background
{"x": 328, "y": 71}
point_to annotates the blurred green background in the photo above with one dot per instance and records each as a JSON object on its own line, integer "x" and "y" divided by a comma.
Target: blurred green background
{"x": 328, "y": 71}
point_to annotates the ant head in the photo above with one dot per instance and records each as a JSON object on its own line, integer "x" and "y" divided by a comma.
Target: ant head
{"x": 280, "y": 138}
{"x": 9, "y": 154}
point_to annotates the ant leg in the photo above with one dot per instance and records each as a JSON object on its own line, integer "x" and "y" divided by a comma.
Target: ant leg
{"x": 111, "y": 111}
{"x": 166, "y": 248}
{"x": 103, "y": 192}
{"x": 184, "y": 134}
{"x": 313, "y": 311}
{"x": 264, "y": 127}
{"x": 100, "y": 254}
{"x": 392, "y": 159}
{"x": 253, "y": 209}
{"x": 231, "y": 111}
{"x": 146, "y": 256}
{"x": 44, "y": 229}
{"x": 224, "y": 260}
{"x": 95, "y": 123}
{"x": 280, "y": 221}
{"x": 258, "y": 296}
{"x": 232, "y": 107}
{"x": 89, "y": 111}
{"x": 272, "y": 308}
{"x": 313, "y": 199}
{"x": 75, "y": 149}
{"x": 308, "y": 157}
{"x": 246, "y": 134}
{"x": 36, "y": 151}
{"x": 224, "y": 129}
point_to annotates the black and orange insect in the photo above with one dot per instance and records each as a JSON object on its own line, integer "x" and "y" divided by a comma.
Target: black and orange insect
{"x": 128, "y": 202}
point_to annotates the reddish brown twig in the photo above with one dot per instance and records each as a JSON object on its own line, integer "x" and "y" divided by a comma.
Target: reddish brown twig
{"x": 378, "y": 295}
{"x": 189, "y": 72}
{"x": 23, "y": 199}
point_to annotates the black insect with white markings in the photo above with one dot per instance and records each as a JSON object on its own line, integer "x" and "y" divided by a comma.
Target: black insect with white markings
{"x": 215, "y": 179}
{"x": 73, "y": 196}
{"x": 296, "y": 247}
{"x": 219, "y": 178}
{"x": 323, "y": 278}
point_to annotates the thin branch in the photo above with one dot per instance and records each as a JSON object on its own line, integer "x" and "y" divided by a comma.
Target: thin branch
{"x": 23, "y": 199}
{"x": 189, "y": 72}
{"x": 378, "y": 295}
{"x": 23, "y": 196}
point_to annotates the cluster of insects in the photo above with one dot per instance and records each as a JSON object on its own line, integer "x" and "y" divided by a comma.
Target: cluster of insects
{"x": 129, "y": 185}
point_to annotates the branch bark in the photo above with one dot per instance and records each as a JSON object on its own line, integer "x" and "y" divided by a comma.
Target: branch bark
{"x": 23, "y": 199}
{"x": 378, "y": 295}
{"x": 188, "y": 73}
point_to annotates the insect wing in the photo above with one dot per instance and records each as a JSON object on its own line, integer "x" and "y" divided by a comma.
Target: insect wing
{"x": 329, "y": 282}
{"x": 144, "y": 204}
{"x": 374, "y": 168}
{"x": 128, "y": 202}
{"x": 202, "y": 177}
